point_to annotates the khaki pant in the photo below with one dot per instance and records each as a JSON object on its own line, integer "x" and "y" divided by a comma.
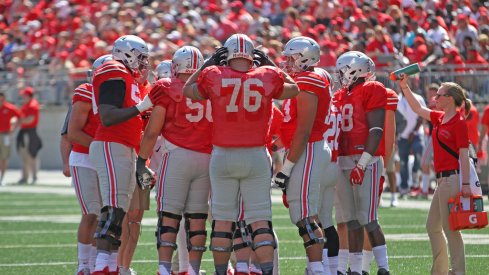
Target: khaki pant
{"x": 437, "y": 224}
{"x": 29, "y": 164}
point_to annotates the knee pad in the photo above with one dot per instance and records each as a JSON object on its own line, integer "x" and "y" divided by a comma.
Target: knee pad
{"x": 332, "y": 241}
{"x": 371, "y": 226}
{"x": 224, "y": 235}
{"x": 162, "y": 229}
{"x": 190, "y": 234}
{"x": 242, "y": 231}
{"x": 260, "y": 231}
{"x": 306, "y": 227}
{"x": 110, "y": 225}
{"x": 353, "y": 225}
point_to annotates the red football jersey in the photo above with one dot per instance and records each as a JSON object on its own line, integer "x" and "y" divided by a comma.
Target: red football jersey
{"x": 129, "y": 131}
{"x": 317, "y": 84}
{"x": 355, "y": 104}
{"x": 241, "y": 103}
{"x": 390, "y": 105}
{"x": 277, "y": 118}
{"x": 188, "y": 123}
{"x": 333, "y": 124}
{"x": 83, "y": 93}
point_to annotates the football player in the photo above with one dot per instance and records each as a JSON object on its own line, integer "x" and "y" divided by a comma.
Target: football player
{"x": 308, "y": 156}
{"x": 81, "y": 127}
{"x": 241, "y": 98}
{"x": 183, "y": 178}
{"x": 363, "y": 102}
{"x": 117, "y": 99}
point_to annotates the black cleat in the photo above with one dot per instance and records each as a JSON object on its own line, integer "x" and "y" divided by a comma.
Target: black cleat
{"x": 383, "y": 271}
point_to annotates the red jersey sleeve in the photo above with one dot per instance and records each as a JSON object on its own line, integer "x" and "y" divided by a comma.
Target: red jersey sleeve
{"x": 391, "y": 101}
{"x": 435, "y": 117}
{"x": 485, "y": 116}
{"x": 158, "y": 93}
{"x": 375, "y": 93}
{"x": 111, "y": 70}
{"x": 278, "y": 80}
{"x": 311, "y": 82}
{"x": 277, "y": 118}
{"x": 207, "y": 80}
{"x": 83, "y": 93}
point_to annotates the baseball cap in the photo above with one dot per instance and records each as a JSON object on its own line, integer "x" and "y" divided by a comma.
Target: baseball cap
{"x": 27, "y": 91}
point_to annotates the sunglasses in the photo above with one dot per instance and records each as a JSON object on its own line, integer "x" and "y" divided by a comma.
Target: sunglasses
{"x": 437, "y": 96}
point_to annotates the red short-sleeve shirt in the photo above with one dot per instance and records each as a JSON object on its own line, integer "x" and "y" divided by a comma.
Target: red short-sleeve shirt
{"x": 454, "y": 134}
{"x": 31, "y": 108}
{"x": 485, "y": 118}
{"x": 7, "y": 112}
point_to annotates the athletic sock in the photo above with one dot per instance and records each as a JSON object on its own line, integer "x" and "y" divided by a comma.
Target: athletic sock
{"x": 164, "y": 268}
{"x": 333, "y": 265}
{"x": 102, "y": 260}
{"x": 113, "y": 261}
{"x": 255, "y": 268}
{"x": 380, "y": 253}
{"x": 92, "y": 258}
{"x": 83, "y": 256}
{"x": 356, "y": 262}
{"x": 267, "y": 268}
{"x": 368, "y": 256}
{"x": 426, "y": 183}
{"x": 315, "y": 267}
{"x": 343, "y": 260}
{"x": 325, "y": 261}
{"x": 221, "y": 269}
{"x": 242, "y": 266}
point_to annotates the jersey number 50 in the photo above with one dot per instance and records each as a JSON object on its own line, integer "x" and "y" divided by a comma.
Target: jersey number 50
{"x": 249, "y": 104}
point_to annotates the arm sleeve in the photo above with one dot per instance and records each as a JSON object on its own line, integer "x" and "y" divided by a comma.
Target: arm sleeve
{"x": 312, "y": 83}
{"x": 64, "y": 129}
{"x": 205, "y": 82}
{"x": 81, "y": 93}
{"x": 435, "y": 117}
{"x": 112, "y": 92}
{"x": 392, "y": 100}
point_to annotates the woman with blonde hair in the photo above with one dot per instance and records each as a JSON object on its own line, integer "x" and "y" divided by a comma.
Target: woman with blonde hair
{"x": 449, "y": 130}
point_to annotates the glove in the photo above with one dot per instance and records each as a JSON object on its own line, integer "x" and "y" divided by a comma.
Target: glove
{"x": 281, "y": 180}
{"x": 356, "y": 175}
{"x": 262, "y": 59}
{"x": 145, "y": 177}
{"x": 144, "y": 105}
{"x": 216, "y": 59}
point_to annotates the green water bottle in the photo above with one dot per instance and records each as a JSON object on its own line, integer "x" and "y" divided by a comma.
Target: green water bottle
{"x": 478, "y": 204}
{"x": 409, "y": 70}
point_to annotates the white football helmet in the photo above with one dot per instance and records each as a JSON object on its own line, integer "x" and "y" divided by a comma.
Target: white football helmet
{"x": 187, "y": 60}
{"x": 97, "y": 63}
{"x": 133, "y": 52}
{"x": 352, "y": 65}
{"x": 304, "y": 53}
{"x": 163, "y": 70}
{"x": 239, "y": 46}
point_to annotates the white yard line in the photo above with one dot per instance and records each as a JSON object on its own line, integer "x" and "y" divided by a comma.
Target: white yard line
{"x": 154, "y": 261}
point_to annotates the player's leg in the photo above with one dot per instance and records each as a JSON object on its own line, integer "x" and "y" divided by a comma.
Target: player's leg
{"x": 390, "y": 171}
{"x": 85, "y": 182}
{"x": 303, "y": 198}
{"x": 255, "y": 189}
{"x": 242, "y": 242}
{"x": 226, "y": 167}
{"x": 327, "y": 196}
{"x": 196, "y": 209}
{"x": 367, "y": 196}
{"x": 115, "y": 165}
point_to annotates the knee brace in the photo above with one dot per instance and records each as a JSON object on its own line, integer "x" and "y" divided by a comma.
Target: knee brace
{"x": 190, "y": 234}
{"x": 110, "y": 225}
{"x": 306, "y": 227}
{"x": 260, "y": 231}
{"x": 353, "y": 225}
{"x": 371, "y": 226}
{"x": 162, "y": 229}
{"x": 332, "y": 241}
{"x": 243, "y": 233}
{"x": 224, "y": 235}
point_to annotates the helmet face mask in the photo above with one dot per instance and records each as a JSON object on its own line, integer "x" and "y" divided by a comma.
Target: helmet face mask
{"x": 239, "y": 46}
{"x": 353, "y": 65}
{"x": 133, "y": 52}
{"x": 301, "y": 52}
{"x": 186, "y": 60}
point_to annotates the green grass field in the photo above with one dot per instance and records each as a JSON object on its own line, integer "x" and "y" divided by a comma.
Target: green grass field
{"x": 38, "y": 236}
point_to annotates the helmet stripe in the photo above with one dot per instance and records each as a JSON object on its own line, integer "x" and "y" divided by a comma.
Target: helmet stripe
{"x": 194, "y": 59}
{"x": 241, "y": 44}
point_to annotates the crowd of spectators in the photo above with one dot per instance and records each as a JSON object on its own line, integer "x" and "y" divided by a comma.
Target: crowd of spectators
{"x": 67, "y": 35}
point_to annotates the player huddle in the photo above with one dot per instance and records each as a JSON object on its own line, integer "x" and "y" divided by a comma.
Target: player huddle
{"x": 207, "y": 130}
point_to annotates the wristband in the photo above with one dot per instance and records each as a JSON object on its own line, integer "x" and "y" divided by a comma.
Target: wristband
{"x": 364, "y": 160}
{"x": 465, "y": 183}
{"x": 287, "y": 168}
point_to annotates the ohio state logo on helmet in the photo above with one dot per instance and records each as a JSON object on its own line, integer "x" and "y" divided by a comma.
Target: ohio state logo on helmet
{"x": 239, "y": 46}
